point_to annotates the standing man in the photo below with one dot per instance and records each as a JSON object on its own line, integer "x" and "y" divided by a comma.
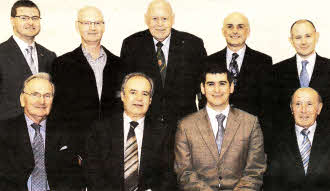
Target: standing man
{"x": 171, "y": 58}
{"x": 219, "y": 147}
{"x": 301, "y": 158}
{"x": 305, "y": 69}
{"x": 35, "y": 152}
{"x": 128, "y": 151}
{"x": 21, "y": 56}
{"x": 86, "y": 78}
{"x": 250, "y": 69}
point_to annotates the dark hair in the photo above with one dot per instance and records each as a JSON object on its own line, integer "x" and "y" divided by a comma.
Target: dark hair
{"x": 22, "y": 3}
{"x": 213, "y": 66}
{"x": 302, "y": 21}
{"x": 140, "y": 74}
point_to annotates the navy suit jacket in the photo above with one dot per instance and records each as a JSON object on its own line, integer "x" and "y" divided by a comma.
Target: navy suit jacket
{"x": 13, "y": 71}
{"x": 105, "y": 160}
{"x": 17, "y": 161}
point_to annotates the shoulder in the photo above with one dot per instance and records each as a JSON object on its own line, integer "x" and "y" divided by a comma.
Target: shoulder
{"x": 243, "y": 115}
{"x": 284, "y": 63}
{"x": 10, "y": 126}
{"x": 69, "y": 57}
{"x": 110, "y": 56}
{"x": 322, "y": 59}
{"x": 192, "y": 118}
{"x": 45, "y": 50}
{"x": 5, "y": 44}
{"x": 257, "y": 53}
{"x": 218, "y": 55}
{"x": 185, "y": 36}
{"x": 141, "y": 35}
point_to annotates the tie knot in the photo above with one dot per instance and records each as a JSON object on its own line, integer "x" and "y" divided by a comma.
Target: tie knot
{"x": 304, "y": 63}
{"x": 234, "y": 56}
{"x": 220, "y": 118}
{"x": 29, "y": 49}
{"x": 159, "y": 44}
{"x": 36, "y": 127}
{"x": 305, "y": 132}
{"x": 133, "y": 124}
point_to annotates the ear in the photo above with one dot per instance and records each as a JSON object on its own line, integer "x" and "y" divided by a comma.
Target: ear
{"x": 173, "y": 19}
{"x": 202, "y": 88}
{"x": 291, "y": 41}
{"x": 291, "y": 109}
{"x": 21, "y": 99}
{"x": 223, "y": 30}
{"x": 12, "y": 20}
{"x": 319, "y": 108}
{"x": 146, "y": 21}
{"x": 317, "y": 36}
{"x": 150, "y": 100}
{"x": 232, "y": 87}
{"x": 121, "y": 95}
{"x": 77, "y": 26}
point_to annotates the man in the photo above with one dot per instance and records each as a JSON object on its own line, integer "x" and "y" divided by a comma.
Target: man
{"x": 171, "y": 58}
{"x": 219, "y": 147}
{"x": 35, "y": 152}
{"x": 251, "y": 69}
{"x": 301, "y": 158}
{"x": 305, "y": 69}
{"x": 21, "y": 56}
{"x": 86, "y": 78}
{"x": 128, "y": 151}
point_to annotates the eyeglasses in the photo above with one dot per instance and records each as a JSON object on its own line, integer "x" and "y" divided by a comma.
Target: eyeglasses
{"x": 90, "y": 23}
{"x": 26, "y": 18}
{"x": 37, "y": 95}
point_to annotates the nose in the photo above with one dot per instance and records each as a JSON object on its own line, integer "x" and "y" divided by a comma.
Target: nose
{"x": 303, "y": 108}
{"x": 159, "y": 22}
{"x": 303, "y": 40}
{"x": 92, "y": 26}
{"x": 42, "y": 99}
{"x": 216, "y": 88}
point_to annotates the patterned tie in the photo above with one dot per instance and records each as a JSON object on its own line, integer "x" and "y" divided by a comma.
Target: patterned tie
{"x": 38, "y": 176}
{"x": 131, "y": 160}
{"x": 221, "y": 131}
{"x": 29, "y": 59}
{"x": 233, "y": 67}
{"x": 305, "y": 149}
{"x": 304, "y": 79}
{"x": 161, "y": 61}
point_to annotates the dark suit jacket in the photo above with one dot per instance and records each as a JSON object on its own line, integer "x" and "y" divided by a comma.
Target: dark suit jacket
{"x": 178, "y": 96}
{"x": 17, "y": 162}
{"x": 286, "y": 82}
{"x": 105, "y": 161}
{"x": 286, "y": 172}
{"x": 13, "y": 71}
{"x": 76, "y": 101}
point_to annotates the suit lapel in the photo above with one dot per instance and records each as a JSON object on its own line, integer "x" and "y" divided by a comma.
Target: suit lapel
{"x": 293, "y": 151}
{"x": 320, "y": 71}
{"x": 292, "y": 71}
{"x": 230, "y": 131}
{"x": 174, "y": 54}
{"x": 204, "y": 126}
{"x": 41, "y": 59}
{"x": 17, "y": 57}
{"x": 24, "y": 139}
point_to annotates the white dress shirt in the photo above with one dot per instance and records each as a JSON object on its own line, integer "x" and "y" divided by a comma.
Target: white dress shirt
{"x": 165, "y": 47}
{"x": 239, "y": 59}
{"x": 300, "y": 137}
{"x": 138, "y": 133}
{"x": 213, "y": 120}
{"x": 309, "y": 67}
{"x": 23, "y": 46}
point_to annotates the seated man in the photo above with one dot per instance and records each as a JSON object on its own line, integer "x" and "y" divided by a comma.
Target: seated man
{"x": 219, "y": 147}
{"x": 35, "y": 152}
{"x": 129, "y": 151}
{"x": 301, "y": 159}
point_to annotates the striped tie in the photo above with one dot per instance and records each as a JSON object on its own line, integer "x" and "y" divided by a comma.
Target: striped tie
{"x": 131, "y": 160}
{"x": 305, "y": 149}
{"x": 303, "y": 78}
{"x": 221, "y": 131}
{"x": 30, "y": 61}
{"x": 161, "y": 61}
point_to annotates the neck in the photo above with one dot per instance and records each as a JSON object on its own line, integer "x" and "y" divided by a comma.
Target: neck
{"x": 305, "y": 57}
{"x": 93, "y": 49}
{"x": 29, "y": 41}
{"x": 235, "y": 48}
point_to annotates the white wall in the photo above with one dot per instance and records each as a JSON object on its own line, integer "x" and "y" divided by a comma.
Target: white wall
{"x": 269, "y": 21}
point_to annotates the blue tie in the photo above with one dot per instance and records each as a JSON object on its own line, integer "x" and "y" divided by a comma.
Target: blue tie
{"x": 305, "y": 150}
{"x": 304, "y": 79}
{"x": 221, "y": 131}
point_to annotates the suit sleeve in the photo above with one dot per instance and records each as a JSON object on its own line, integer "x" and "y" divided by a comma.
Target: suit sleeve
{"x": 252, "y": 176}
{"x": 187, "y": 177}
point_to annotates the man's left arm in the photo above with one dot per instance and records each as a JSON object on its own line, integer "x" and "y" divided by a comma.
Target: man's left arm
{"x": 252, "y": 176}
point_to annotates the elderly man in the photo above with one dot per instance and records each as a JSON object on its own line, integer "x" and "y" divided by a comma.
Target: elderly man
{"x": 35, "y": 151}
{"x": 21, "y": 56}
{"x": 86, "y": 78}
{"x": 219, "y": 147}
{"x": 301, "y": 158}
{"x": 128, "y": 151}
{"x": 305, "y": 69}
{"x": 171, "y": 58}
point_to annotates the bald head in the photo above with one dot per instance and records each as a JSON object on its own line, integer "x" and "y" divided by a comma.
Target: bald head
{"x": 236, "y": 29}
{"x": 159, "y": 18}
{"x": 90, "y": 11}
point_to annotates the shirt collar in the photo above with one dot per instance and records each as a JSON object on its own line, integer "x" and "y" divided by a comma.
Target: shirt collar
{"x": 89, "y": 56}
{"x": 165, "y": 42}
{"x": 29, "y": 122}
{"x": 212, "y": 113}
{"x": 310, "y": 59}
{"x": 22, "y": 45}
{"x": 140, "y": 121}
{"x": 240, "y": 52}
{"x": 311, "y": 128}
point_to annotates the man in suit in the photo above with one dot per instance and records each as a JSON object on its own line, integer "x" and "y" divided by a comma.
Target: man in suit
{"x": 35, "y": 152}
{"x": 251, "y": 69}
{"x": 219, "y": 147}
{"x": 301, "y": 159}
{"x": 21, "y": 56}
{"x": 86, "y": 78}
{"x": 171, "y": 58}
{"x": 305, "y": 69}
{"x": 128, "y": 151}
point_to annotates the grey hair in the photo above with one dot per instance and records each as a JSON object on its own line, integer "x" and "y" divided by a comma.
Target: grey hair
{"x": 40, "y": 75}
{"x": 140, "y": 74}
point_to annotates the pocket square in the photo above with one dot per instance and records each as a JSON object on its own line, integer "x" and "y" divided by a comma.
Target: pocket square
{"x": 63, "y": 148}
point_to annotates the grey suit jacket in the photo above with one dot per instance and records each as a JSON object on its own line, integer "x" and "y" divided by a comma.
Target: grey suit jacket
{"x": 13, "y": 71}
{"x": 241, "y": 163}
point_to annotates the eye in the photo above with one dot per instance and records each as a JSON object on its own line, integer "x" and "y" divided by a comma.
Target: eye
{"x": 36, "y": 94}
{"x": 241, "y": 26}
{"x": 164, "y": 19}
{"x": 146, "y": 93}
{"x": 154, "y": 18}
{"x": 210, "y": 83}
{"x": 132, "y": 92}
{"x": 48, "y": 95}
{"x": 35, "y": 18}
{"x": 229, "y": 26}
{"x": 222, "y": 83}
{"x": 298, "y": 37}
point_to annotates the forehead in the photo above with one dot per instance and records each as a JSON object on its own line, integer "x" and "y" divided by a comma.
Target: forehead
{"x": 39, "y": 85}
{"x": 159, "y": 9}
{"x": 90, "y": 14}
{"x": 304, "y": 27}
{"x": 29, "y": 11}
{"x": 305, "y": 95}
{"x": 235, "y": 19}
{"x": 216, "y": 77}
{"x": 138, "y": 83}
